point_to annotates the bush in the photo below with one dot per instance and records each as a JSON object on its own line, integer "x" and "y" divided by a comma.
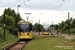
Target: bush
{"x": 1, "y": 32}
{"x": 10, "y": 28}
{"x": 1, "y": 35}
{"x": 63, "y": 36}
{"x": 9, "y": 21}
{"x": 72, "y": 31}
{"x": 66, "y": 31}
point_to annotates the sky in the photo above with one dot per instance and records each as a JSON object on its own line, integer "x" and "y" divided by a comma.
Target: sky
{"x": 48, "y": 11}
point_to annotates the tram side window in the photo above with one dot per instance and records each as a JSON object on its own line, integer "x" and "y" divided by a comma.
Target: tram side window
{"x": 30, "y": 27}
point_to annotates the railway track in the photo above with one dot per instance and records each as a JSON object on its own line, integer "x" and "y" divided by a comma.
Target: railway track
{"x": 50, "y": 35}
{"x": 17, "y": 46}
{"x": 21, "y": 44}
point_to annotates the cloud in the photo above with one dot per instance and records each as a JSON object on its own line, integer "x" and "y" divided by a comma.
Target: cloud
{"x": 1, "y": 11}
{"x": 45, "y": 10}
{"x": 56, "y": 17}
{"x": 5, "y": 0}
{"x": 41, "y": 4}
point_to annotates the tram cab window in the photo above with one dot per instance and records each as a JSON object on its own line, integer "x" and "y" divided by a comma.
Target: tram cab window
{"x": 45, "y": 30}
{"x": 24, "y": 28}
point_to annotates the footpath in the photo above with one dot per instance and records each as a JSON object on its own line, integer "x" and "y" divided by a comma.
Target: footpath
{"x": 66, "y": 36}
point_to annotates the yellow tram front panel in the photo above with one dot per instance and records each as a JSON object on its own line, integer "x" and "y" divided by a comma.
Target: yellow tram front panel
{"x": 25, "y": 35}
{"x": 25, "y": 30}
{"x": 45, "y": 32}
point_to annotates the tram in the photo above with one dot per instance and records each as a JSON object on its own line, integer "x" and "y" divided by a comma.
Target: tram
{"x": 25, "y": 30}
{"x": 46, "y": 31}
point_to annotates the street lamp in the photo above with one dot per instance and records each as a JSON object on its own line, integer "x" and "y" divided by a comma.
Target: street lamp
{"x": 39, "y": 26}
{"x": 52, "y": 22}
{"x": 52, "y": 25}
{"x": 18, "y": 8}
{"x": 27, "y": 15}
{"x": 68, "y": 24}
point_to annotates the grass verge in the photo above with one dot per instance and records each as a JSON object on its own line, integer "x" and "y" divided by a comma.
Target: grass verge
{"x": 10, "y": 39}
{"x": 39, "y": 36}
{"x": 8, "y": 43}
{"x": 46, "y": 44}
{"x": 68, "y": 42}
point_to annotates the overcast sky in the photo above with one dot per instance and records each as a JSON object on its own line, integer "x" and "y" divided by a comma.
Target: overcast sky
{"x": 45, "y": 10}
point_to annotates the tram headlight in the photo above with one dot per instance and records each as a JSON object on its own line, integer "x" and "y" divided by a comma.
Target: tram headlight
{"x": 28, "y": 33}
{"x": 20, "y": 33}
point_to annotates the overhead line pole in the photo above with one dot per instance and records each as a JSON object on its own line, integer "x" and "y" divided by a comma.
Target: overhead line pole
{"x": 39, "y": 26}
{"x": 18, "y": 9}
{"x": 68, "y": 24}
{"x": 57, "y": 30}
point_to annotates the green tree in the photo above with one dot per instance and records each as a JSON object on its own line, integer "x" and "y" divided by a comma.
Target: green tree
{"x": 7, "y": 12}
{"x": 52, "y": 25}
{"x": 17, "y": 19}
{"x": 55, "y": 27}
{"x": 73, "y": 23}
{"x": 9, "y": 21}
{"x": 12, "y": 13}
{"x": 61, "y": 25}
{"x": 41, "y": 27}
{"x": 37, "y": 26}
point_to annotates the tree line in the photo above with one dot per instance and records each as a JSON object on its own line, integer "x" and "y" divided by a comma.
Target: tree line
{"x": 63, "y": 26}
{"x": 11, "y": 20}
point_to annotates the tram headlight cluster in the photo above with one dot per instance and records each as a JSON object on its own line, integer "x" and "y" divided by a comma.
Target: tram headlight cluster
{"x": 25, "y": 30}
{"x": 28, "y": 33}
{"x": 20, "y": 33}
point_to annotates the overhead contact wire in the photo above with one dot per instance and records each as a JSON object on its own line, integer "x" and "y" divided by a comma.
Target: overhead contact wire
{"x": 59, "y": 7}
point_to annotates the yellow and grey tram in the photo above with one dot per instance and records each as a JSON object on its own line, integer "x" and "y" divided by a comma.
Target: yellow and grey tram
{"x": 25, "y": 30}
{"x": 46, "y": 31}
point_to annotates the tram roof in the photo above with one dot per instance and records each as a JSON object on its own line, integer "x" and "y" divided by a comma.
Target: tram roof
{"x": 24, "y": 21}
{"x": 45, "y": 28}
